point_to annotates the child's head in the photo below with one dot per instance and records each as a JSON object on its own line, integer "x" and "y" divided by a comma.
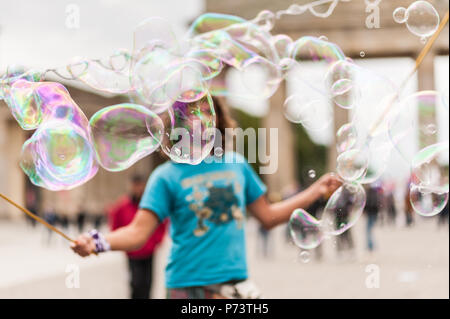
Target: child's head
{"x": 201, "y": 115}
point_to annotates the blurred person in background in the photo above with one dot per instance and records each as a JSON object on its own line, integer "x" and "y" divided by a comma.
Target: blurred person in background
{"x": 391, "y": 208}
{"x": 443, "y": 216}
{"x": 344, "y": 242}
{"x": 373, "y": 205}
{"x": 32, "y": 205}
{"x": 316, "y": 210}
{"x": 409, "y": 211}
{"x": 140, "y": 262}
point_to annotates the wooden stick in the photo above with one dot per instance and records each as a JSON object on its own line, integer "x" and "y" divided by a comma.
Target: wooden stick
{"x": 36, "y": 218}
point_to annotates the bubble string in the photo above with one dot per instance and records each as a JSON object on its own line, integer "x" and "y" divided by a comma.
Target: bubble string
{"x": 296, "y": 9}
{"x": 419, "y": 61}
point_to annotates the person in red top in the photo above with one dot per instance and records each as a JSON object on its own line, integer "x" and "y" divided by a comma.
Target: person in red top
{"x": 140, "y": 262}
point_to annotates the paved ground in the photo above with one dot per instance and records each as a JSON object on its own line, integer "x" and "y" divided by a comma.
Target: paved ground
{"x": 412, "y": 263}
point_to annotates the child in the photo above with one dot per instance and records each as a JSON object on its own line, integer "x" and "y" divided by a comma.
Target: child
{"x": 207, "y": 205}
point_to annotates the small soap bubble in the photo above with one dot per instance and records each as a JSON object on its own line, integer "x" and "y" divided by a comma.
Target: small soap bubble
{"x": 400, "y": 15}
{"x": 305, "y": 257}
{"x": 312, "y": 173}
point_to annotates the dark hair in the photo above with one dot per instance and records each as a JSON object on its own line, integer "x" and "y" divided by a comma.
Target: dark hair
{"x": 223, "y": 121}
{"x": 137, "y": 179}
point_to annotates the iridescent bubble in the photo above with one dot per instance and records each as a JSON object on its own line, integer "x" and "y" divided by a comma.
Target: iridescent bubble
{"x": 123, "y": 134}
{"x": 400, "y": 15}
{"x": 422, "y": 19}
{"x": 282, "y": 44}
{"x": 120, "y": 60}
{"x": 190, "y": 133}
{"x": 59, "y": 156}
{"x": 101, "y": 77}
{"x": 77, "y": 67}
{"x": 341, "y": 91}
{"x": 305, "y": 257}
{"x": 427, "y": 202}
{"x": 378, "y": 151}
{"x": 430, "y": 129}
{"x": 311, "y": 48}
{"x": 213, "y": 21}
{"x": 149, "y": 78}
{"x": 22, "y": 101}
{"x": 153, "y": 30}
{"x": 261, "y": 77}
{"x": 343, "y": 209}
{"x": 57, "y": 104}
{"x": 343, "y": 78}
{"x": 218, "y": 151}
{"x": 404, "y": 125}
{"x": 212, "y": 65}
{"x": 352, "y": 164}
{"x": 305, "y": 229}
{"x": 313, "y": 111}
{"x": 430, "y": 169}
{"x": 265, "y": 19}
{"x": 346, "y": 137}
{"x": 185, "y": 81}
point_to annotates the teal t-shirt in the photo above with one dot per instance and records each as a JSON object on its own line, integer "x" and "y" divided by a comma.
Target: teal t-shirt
{"x": 206, "y": 204}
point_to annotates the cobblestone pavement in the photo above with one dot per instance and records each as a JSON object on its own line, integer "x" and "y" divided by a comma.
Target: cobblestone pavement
{"x": 412, "y": 263}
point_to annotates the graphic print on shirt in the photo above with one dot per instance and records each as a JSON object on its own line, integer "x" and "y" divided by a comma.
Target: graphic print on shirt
{"x": 213, "y": 199}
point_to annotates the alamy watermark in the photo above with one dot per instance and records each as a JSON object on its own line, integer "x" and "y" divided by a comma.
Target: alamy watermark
{"x": 373, "y": 277}
{"x": 73, "y": 277}
{"x": 72, "y": 16}
{"x": 373, "y": 19}
{"x": 198, "y": 143}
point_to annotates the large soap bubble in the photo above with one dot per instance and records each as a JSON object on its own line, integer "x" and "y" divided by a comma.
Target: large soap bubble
{"x": 430, "y": 169}
{"x": 427, "y": 202}
{"x": 343, "y": 209}
{"x": 25, "y": 107}
{"x": 123, "y": 134}
{"x": 352, "y": 164}
{"x": 305, "y": 230}
{"x": 405, "y": 124}
{"x": 190, "y": 131}
{"x": 59, "y": 156}
{"x": 421, "y": 18}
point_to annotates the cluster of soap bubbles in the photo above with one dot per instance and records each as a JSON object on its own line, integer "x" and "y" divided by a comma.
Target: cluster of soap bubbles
{"x": 421, "y": 18}
{"x": 170, "y": 82}
{"x": 365, "y": 143}
{"x": 429, "y": 167}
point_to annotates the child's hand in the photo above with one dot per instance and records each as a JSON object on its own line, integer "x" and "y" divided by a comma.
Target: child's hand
{"x": 84, "y": 245}
{"x": 327, "y": 185}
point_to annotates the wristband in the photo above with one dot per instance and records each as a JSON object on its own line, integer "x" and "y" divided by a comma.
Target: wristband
{"x": 101, "y": 245}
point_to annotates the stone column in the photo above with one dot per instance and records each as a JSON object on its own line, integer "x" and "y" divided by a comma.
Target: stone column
{"x": 15, "y": 178}
{"x": 341, "y": 117}
{"x": 285, "y": 175}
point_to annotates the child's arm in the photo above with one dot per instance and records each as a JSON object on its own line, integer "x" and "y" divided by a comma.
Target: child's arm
{"x": 128, "y": 238}
{"x": 271, "y": 215}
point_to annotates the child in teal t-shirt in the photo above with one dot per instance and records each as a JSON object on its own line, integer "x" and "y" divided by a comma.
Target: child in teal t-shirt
{"x": 207, "y": 206}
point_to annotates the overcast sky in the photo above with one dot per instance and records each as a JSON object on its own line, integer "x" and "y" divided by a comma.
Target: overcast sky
{"x": 41, "y": 34}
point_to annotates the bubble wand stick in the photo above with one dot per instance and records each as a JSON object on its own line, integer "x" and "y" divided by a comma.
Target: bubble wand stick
{"x": 36, "y": 218}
